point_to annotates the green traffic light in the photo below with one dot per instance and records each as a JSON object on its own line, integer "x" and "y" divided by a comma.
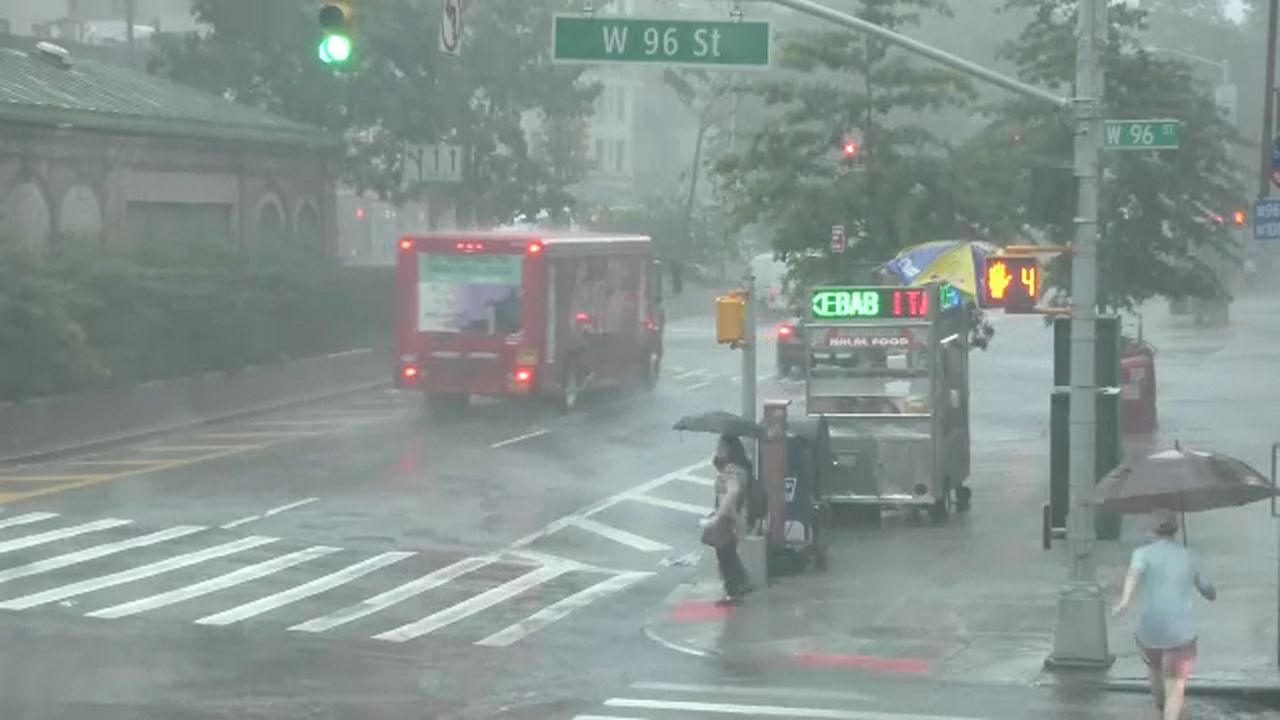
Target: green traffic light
{"x": 335, "y": 49}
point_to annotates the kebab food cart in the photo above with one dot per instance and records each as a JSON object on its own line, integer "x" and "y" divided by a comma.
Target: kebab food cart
{"x": 887, "y": 374}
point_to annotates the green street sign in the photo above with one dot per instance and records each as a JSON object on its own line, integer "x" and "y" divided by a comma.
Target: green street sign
{"x": 699, "y": 43}
{"x": 1143, "y": 134}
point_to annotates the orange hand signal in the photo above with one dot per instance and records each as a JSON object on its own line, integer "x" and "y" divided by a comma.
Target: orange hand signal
{"x": 998, "y": 279}
{"x": 1030, "y": 280}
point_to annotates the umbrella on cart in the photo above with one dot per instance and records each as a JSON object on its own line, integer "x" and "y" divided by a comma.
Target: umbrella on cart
{"x": 1182, "y": 481}
{"x": 719, "y": 422}
{"x": 958, "y": 262}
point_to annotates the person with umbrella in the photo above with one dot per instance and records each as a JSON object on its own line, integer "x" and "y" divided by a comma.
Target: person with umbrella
{"x": 1164, "y": 573}
{"x": 727, "y": 524}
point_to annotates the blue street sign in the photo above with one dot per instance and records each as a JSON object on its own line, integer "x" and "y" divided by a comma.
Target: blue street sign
{"x": 1266, "y": 219}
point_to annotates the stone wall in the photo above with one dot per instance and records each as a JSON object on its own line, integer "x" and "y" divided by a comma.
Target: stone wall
{"x": 63, "y": 183}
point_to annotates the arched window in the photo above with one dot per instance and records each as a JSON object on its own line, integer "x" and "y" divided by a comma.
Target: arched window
{"x": 307, "y": 226}
{"x": 26, "y": 218}
{"x": 271, "y": 227}
{"x": 80, "y": 216}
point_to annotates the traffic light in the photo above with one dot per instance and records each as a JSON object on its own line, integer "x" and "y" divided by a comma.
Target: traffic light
{"x": 336, "y": 46}
{"x": 849, "y": 150}
{"x": 1011, "y": 282}
{"x": 731, "y": 318}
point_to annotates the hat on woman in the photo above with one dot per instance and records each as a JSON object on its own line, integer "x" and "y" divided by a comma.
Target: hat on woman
{"x": 1164, "y": 521}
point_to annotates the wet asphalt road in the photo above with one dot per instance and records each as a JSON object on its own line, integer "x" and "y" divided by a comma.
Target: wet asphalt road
{"x": 355, "y": 559}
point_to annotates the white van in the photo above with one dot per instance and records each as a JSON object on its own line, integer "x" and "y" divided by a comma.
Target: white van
{"x": 770, "y": 276}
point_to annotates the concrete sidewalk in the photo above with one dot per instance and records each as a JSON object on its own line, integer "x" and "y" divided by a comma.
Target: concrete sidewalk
{"x": 975, "y": 601}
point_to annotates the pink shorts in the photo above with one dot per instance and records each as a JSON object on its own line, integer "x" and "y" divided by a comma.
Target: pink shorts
{"x": 1173, "y": 662}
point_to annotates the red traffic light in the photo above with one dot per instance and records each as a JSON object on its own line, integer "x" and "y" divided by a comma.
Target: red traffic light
{"x": 849, "y": 149}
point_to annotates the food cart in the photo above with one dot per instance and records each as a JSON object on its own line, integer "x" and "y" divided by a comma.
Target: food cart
{"x": 887, "y": 374}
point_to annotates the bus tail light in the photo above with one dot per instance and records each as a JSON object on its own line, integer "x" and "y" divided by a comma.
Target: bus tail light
{"x": 410, "y": 374}
{"x": 524, "y": 376}
{"x": 406, "y": 244}
{"x": 534, "y": 248}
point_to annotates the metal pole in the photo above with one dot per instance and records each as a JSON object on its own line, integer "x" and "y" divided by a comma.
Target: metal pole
{"x": 749, "y": 353}
{"x": 130, "y": 16}
{"x": 1268, "y": 103}
{"x": 1080, "y": 638}
{"x": 959, "y": 64}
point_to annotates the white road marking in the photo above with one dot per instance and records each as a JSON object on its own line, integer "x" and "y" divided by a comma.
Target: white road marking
{"x": 639, "y": 542}
{"x": 26, "y": 519}
{"x": 473, "y": 605}
{"x": 138, "y": 573}
{"x": 696, "y": 480}
{"x": 688, "y": 374}
{"x": 306, "y": 590}
{"x": 698, "y": 386}
{"x": 745, "y": 690}
{"x": 231, "y": 579}
{"x": 520, "y": 438}
{"x": 670, "y": 504}
{"x": 544, "y": 617}
{"x": 393, "y": 596}
{"x": 558, "y": 525}
{"x": 269, "y": 513}
{"x": 61, "y": 534}
{"x": 771, "y": 710}
{"x": 97, "y": 551}
{"x": 604, "y": 717}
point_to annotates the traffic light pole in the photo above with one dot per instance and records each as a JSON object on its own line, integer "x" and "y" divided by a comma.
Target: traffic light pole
{"x": 749, "y": 351}
{"x": 1080, "y": 639}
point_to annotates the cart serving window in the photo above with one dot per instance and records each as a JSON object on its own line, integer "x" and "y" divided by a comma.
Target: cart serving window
{"x": 869, "y": 370}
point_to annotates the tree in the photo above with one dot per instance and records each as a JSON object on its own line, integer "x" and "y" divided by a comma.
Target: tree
{"x": 397, "y": 89}
{"x": 1160, "y": 213}
{"x": 834, "y": 86}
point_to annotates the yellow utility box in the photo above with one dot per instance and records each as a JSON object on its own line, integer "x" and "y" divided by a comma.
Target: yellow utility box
{"x": 731, "y": 318}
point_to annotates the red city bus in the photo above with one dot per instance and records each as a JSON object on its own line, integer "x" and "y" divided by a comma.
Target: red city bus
{"x": 525, "y": 314}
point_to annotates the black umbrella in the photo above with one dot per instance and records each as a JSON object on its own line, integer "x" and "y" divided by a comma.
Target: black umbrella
{"x": 1183, "y": 481}
{"x": 719, "y": 422}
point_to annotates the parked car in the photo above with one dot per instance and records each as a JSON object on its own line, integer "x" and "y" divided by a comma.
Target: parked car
{"x": 790, "y": 346}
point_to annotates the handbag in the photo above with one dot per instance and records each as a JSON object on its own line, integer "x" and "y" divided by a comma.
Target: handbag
{"x": 719, "y": 533}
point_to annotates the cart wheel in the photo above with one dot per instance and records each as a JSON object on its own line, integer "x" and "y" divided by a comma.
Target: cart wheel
{"x": 963, "y": 497}
{"x": 941, "y": 508}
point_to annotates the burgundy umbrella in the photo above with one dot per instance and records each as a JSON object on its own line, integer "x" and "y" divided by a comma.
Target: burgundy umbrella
{"x": 1183, "y": 481}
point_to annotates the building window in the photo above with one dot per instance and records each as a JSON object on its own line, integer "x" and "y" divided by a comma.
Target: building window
{"x": 620, "y": 155}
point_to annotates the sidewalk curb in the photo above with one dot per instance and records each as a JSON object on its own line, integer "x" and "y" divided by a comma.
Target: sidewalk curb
{"x": 1254, "y": 691}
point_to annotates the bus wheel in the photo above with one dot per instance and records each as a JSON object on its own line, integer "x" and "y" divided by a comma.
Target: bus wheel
{"x": 963, "y": 497}
{"x": 570, "y": 386}
{"x": 652, "y": 371}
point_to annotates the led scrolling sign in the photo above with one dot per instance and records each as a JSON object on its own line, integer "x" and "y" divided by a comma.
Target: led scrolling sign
{"x": 880, "y": 303}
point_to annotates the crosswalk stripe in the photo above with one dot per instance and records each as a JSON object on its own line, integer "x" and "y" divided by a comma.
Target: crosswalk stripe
{"x": 544, "y": 617}
{"x": 139, "y": 573}
{"x": 469, "y": 607}
{"x": 604, "y": 717}
{"x": 771, "y": 710}
{"x": 670, "y": 504}
{"x": 394, "y": 596}
{"x": 306, "y": 590}
{"x": 26, "y": 519}
{"x": 639, "y": 542}
{"x": 61, "y": 534}
{"x": 804, "y": 693}
{"x": 95, "y": 552}
{"x": 231, "y": 579}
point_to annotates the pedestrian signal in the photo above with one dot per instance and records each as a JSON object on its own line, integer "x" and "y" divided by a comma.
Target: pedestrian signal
{"x": 1011, "y": 282}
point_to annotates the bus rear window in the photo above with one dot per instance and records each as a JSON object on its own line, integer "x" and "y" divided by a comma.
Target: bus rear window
{"x": 470, "y": 293}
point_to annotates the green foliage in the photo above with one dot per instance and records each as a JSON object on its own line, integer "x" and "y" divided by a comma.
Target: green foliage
{"x": 833, "y": 84}
{"x": 398, "y": 89}
{"x": 88, "y": 319}
{"x": 1159, "y": 237}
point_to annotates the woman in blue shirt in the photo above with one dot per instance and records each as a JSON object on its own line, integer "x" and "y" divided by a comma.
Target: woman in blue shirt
{"x": 1164, "y": 573}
